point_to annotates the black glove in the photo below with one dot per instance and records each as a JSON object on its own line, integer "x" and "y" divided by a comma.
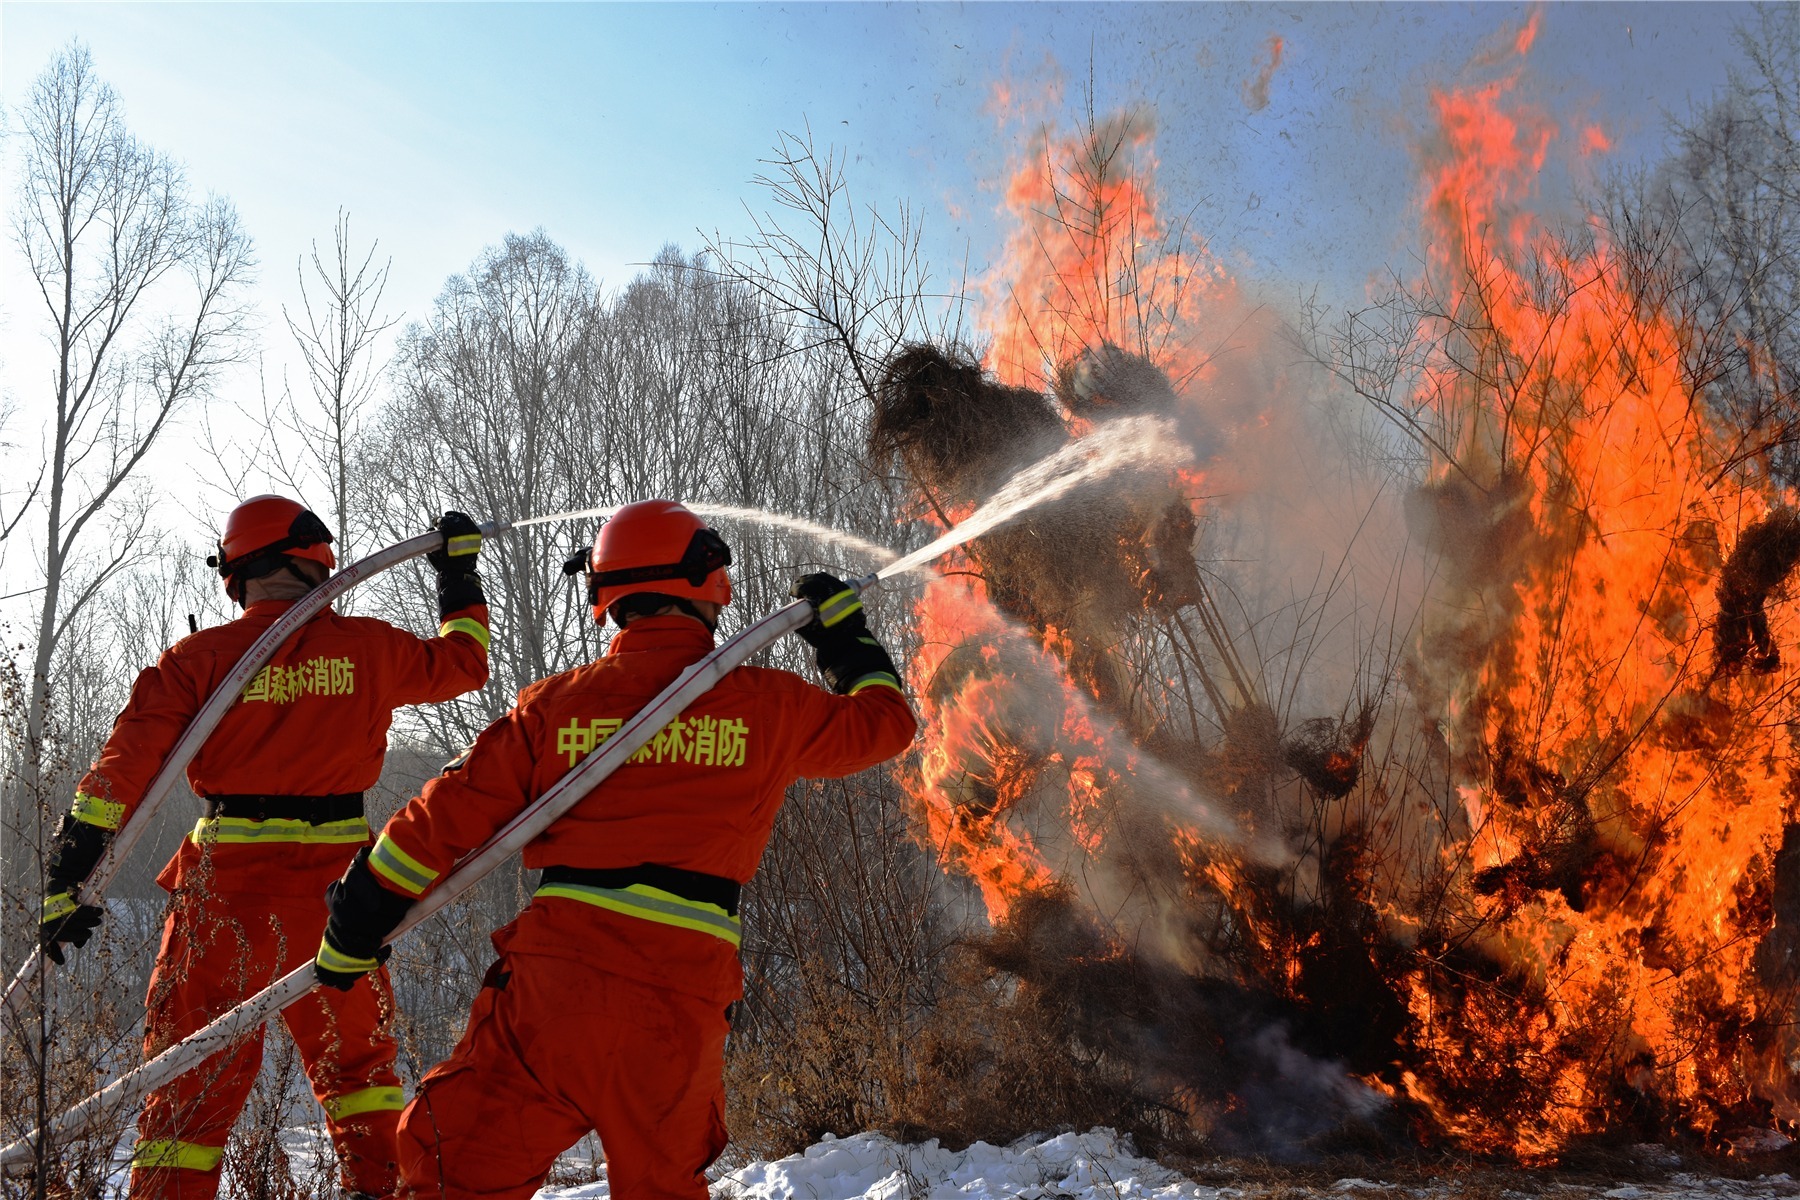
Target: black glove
{"x": 362, "y": 914}
{"x": 457, "y": 584}
{"x": 848, "y": 657}
{"x": 79, "y": 846}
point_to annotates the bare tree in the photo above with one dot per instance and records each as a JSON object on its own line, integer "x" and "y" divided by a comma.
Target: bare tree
{"x": 337, "y": 338}
{"x": 10, "y": 521}
{"x": 1712, "y": 235}
{"x": 139, "y": 283}
{"x": 485, "y": 390}
{"x": 854, "y": 279}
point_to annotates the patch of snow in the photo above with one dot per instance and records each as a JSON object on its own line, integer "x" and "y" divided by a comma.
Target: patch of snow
{"x": 1096, "y": 1165}
{"x": 1761, "y": 1141}
{"x": 1682, "y": 1185}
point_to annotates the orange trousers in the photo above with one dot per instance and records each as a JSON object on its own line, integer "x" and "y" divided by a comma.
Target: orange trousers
{"x": 217, "y": 951}
{"x": 553, "y": 1049}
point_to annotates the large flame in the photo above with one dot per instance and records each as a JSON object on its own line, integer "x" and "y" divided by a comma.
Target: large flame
{"x": 1093, "y": 260}
{"x": 1625, "y": 798}
{"x": 1092, "y": 263}
{"x": 1585, "y": 945}
{"x": 965, "y": 779}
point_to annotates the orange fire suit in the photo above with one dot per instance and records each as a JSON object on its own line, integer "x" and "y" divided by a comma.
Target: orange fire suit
{"x": 281, "y": 778}
{"x": 606, "y": 1009}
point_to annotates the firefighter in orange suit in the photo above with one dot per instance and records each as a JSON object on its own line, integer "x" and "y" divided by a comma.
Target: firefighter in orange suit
{"x": 607, "y": 1007}
{"x": 281, "y": 782}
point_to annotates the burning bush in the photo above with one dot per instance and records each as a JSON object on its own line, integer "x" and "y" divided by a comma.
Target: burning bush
{"x": 1524, "y": 881}
{"x": 1082, "y": 566}
{"x": 1042, "y": 766}
{"x": 1109, "y": 381}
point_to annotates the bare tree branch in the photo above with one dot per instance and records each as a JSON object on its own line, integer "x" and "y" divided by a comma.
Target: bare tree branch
{"x": 114, "y": 243}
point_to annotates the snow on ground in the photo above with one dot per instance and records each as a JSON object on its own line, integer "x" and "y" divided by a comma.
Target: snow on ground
{"x": 1098, "y": 1165}
{"x": 1101, "y": 1165}
{"x": 1094, "y": 1164}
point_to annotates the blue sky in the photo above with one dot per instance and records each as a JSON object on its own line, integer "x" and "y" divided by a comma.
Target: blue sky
{"x": 619, "y": 127}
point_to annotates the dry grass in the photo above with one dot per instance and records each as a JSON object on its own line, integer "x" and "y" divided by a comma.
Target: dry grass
{"x": 958, "y": 433}
{"x": 1109, "y": 382}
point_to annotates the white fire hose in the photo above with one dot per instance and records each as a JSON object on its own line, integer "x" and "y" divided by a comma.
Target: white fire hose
{"x": 523, "y": 828}
{"x": 93, "y": 889}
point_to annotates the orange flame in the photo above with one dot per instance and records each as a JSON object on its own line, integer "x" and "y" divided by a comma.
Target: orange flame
{"x": 1093, "y": 260}
{"x": 1590, "y": 946}
{"x": 997, "y": 730}
{"x": 1588, "y": 713}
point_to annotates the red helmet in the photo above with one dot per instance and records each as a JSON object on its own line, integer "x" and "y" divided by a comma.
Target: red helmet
{"x": 657, "y": 546}
{"x": 264, "y": 529}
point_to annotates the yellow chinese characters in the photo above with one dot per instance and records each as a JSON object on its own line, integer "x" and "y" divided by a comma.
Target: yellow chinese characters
{"x": 694, "y": 741}
{"x": 276, "y": 684}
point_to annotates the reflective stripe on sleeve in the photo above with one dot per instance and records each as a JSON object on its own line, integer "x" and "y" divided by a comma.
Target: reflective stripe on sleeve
{"x": 468, "y": 625}
{"x": 653, "y": 904}
{"x": 400, "y": 868}
{"x": 465, "y": 543}
{"x": 190, "y": 1156}
{"x": 838, "y": 607}
{"x": 239, "y": 830}
{"x": 878, "y": 679}
{"x": 368, "y": 1100}
{"x": 92, "y": 810}
{"x": 58, "y": 906}
{"x": 333, "y": 959}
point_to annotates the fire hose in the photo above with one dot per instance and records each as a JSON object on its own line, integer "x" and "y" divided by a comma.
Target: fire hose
{"x": 93, "y": 890}
{"x": 512, "y": 837}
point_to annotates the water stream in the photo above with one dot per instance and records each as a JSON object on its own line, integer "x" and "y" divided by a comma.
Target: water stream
{"x": 1127, "y": 444}
{"x": 758, "y": 516}
{"x": 574, "y": 515}
{"x": 824, "y": 533}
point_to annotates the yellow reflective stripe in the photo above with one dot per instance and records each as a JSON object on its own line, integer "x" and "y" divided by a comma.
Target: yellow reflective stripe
{"x": 333, "y": 959}
{"x": 468, "y": 625}
{"x": 92, "y": 810}
{"x": 879, "y": 679}
{"x": 653, "y": 904}
{"x": 235, "y": 830}
{"x": 57, "y": 906}
{"x": 398, "y": 867}
{"x": 190, "y": 1156}
{"x": 375, "y": 1099}
{"x": 839, "y": 606}
{"x": 465, "y": 543}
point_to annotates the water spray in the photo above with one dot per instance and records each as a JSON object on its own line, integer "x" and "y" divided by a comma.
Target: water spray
{"x": 730, "y": 512}
{"x": 1127, "y": 444}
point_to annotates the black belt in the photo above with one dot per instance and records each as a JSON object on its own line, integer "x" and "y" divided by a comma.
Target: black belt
{"x": 689, "y": 885}
{"x": 314, "y": 810}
